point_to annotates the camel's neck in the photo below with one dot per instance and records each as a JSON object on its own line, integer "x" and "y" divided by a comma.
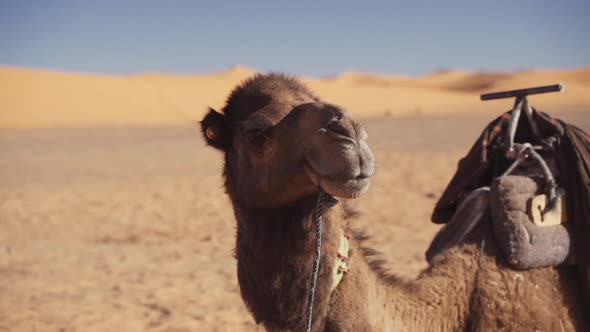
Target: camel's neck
{"x": 275, "y": 249}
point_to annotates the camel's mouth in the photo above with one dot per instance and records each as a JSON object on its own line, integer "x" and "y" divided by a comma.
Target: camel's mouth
{"x": 347, "y": 189}
{"x": 351, "y": 188}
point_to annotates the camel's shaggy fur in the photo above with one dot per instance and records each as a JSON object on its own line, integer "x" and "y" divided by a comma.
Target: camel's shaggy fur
{"x": 275, "y": 245}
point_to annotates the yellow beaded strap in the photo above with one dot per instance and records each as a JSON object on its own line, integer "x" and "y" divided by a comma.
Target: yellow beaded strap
{"x": 341, "y": 261}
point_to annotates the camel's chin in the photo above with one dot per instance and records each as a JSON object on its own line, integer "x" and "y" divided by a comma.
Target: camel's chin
{"x": 345, "y": 189}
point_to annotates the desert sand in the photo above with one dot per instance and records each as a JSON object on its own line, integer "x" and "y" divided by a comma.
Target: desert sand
{"x": 37, "y": 98}
{"x": 112, "y": 211}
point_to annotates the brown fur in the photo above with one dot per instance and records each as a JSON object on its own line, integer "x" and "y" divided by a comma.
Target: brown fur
{"x": 275, "y": 245}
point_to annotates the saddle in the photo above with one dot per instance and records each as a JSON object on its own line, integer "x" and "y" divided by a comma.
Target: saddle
{"x": 527, "y": 235}
{"x": 530, "y": 175}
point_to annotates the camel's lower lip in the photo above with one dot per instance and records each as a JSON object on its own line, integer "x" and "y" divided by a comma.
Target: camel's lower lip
{"x": 345, "y": 189}
{"x": 352, "y": 188}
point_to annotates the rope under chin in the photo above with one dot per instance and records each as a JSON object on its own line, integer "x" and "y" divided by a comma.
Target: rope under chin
{"x": 319, "y": 210}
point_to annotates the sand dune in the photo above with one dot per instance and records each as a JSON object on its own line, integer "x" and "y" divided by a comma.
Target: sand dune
{"x": 40, "y": 98}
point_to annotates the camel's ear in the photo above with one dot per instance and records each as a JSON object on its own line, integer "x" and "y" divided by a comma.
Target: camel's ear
{"x": 214, "y": 129}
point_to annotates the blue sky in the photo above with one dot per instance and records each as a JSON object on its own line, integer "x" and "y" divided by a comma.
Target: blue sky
{"x": 316, "y": 38}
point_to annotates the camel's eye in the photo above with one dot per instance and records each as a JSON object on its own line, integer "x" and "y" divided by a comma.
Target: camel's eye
{"x": 257, "y": 136}
{"x": 256, "y": 130}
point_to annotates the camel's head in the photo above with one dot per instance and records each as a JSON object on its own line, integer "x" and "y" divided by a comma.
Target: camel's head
{"x": 281, "y": 143}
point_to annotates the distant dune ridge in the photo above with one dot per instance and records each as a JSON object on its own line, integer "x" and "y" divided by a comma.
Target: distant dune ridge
{"x": 39, "y": 98}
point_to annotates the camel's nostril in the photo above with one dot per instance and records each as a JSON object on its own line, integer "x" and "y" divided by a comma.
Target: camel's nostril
{"x": 339, "y": 134}
{"x": 338, "y": 129}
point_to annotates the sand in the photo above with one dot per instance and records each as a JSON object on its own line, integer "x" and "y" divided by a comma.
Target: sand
{"x": 31, "y": 98}
{"x": 110, "y": 223}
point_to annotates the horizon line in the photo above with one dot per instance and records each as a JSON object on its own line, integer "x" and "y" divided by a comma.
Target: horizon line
{"x": 240, "y": 67}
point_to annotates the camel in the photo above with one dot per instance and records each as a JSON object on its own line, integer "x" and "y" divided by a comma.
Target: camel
{"x": 281, "y": 143}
